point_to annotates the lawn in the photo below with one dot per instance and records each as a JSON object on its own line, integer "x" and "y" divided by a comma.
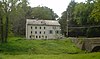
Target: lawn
{"x": 23, "y": 46}
{"x": 61, "y": 56}
{"x": 20, "y": 48}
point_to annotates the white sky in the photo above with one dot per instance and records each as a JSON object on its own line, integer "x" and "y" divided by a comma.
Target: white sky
{"x": 58, "y": 6}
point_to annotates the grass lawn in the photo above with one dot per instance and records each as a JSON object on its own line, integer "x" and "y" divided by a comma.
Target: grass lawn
{"x": 23, "y": 46}
{"x": 62, "y": 56}
{"x": 20, "y": 48}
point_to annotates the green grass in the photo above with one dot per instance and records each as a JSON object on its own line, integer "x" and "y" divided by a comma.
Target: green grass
{"x": 23, "y": 46}
{"x": 61, "y": 56}
{"x": 20, "y": 48}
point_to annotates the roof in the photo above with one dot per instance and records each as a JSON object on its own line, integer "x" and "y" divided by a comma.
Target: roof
{"x": 42, "y": 22}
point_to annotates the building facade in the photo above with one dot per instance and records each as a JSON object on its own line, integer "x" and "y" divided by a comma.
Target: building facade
{"x": 42, "y": 29}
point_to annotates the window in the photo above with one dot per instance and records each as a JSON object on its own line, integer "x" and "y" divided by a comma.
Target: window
{"x": 39, "y": 36}
{"x": 44, "y": 32}
{"x": 51, "y": 32}
{"x": 45, "y": 36}
{"x": 54, "y": 27}
{"x": 30, "y": 36}
{"x": 35, "y": 32}
{"x": 57, "y": 32}
{"x": 40, "y": 27}
{"x": 40, "y": 32}
{"x": 35, "y": 27}
{"x": 42, "y": 36}
{"x": 31, "y": 27}
{"x": 31, "y": 32}
{"x": 36, "y": 36}
{"x": 44, "y": 27}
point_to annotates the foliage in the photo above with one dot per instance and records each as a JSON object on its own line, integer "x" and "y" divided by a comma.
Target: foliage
{"x": 23, "y": 46}
{"x": 61, "y": 56}
{"x": 13, "y": 17}
{"x": 44, "y": 13}
{"x": 84, "y": 15}
{"x": 63, "y": 23}
{"x": 95, "y": 15}
{"x": 23, "y": 11}
{"x": 67, "y": 18}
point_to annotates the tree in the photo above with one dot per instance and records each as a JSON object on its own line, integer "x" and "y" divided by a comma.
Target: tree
{"x": 43, "y": 13}
{"x": 1, "y": 24}
{"x": 8, "y": 6}
{"x": 23, "y": 11}
{"x": 3, "y": 15}
{"x": 68, "y": 17}
{"x": 95, "y": 15}
{"x": 10, "y": 10}
{"x": 1, "y": 29}
{"x": 63, "y": 23}
{"x": 81, "y": 15}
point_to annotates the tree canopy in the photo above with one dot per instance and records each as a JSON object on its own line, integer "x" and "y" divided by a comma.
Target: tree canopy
{"x": 43, "y": 13}
{"x": 84, "y": 15}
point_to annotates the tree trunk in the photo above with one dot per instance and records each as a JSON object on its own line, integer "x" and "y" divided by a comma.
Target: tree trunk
{"x": 2, "y": 33}
{"x": 6, "y": 29}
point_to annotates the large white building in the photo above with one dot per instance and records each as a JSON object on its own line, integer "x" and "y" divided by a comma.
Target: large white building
{"x": 42, "y": 29}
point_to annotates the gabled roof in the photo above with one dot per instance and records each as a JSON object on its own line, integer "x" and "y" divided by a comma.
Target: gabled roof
{"x": 42, "y": 22}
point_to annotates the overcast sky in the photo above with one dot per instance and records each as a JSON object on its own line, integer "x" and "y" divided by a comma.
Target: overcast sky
{"x": 58, "y": 6}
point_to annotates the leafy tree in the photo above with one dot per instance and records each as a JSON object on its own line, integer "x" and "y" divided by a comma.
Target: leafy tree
{"x": 95, "y": 15}
{"x": 4, "y": 16}
{"x": 23, "y": 11}
{"x": 12, "y": 11}
{"x": 68, "y": 17}
{"x": 82, "y": 15}
{"x": 44, "y": 13}
{"x": 63, "y": 23}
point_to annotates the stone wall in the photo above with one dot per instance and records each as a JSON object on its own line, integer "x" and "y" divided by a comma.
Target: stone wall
{"x": 87, "y": 44}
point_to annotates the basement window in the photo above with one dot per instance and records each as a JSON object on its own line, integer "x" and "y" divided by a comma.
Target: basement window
{"x": 36, "y": 36}
{"x": 45, "y": 36}
{"x": 30, "y": 36}
{"x": 42, "y": 36}
{"x": 57, "y": 32}
{"x": 39, "y": 36}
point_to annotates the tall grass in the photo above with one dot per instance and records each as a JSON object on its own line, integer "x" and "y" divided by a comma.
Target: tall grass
{"x": 24, "y": 46}
{"x": 61, "y": 56}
